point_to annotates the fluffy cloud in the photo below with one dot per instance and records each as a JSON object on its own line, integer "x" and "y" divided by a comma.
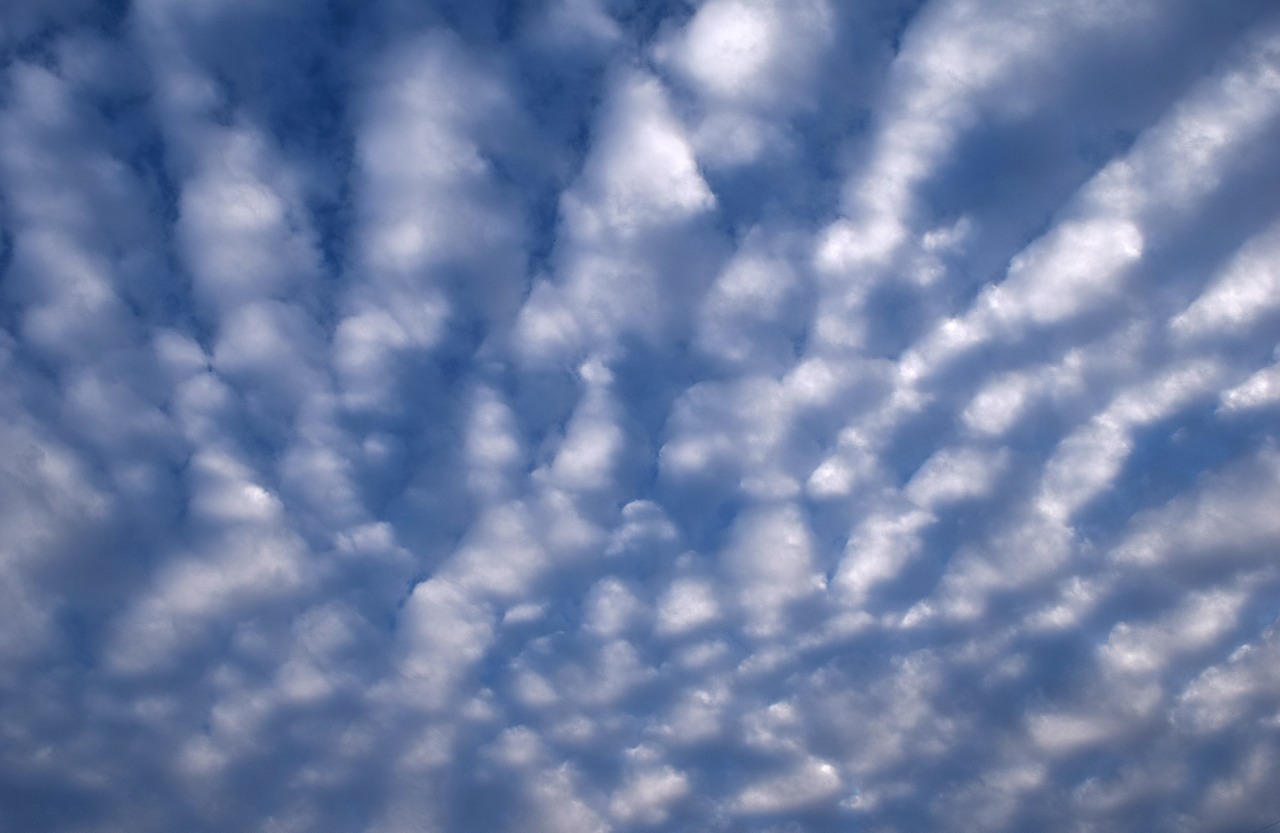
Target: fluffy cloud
{"x": 610, "y": 416}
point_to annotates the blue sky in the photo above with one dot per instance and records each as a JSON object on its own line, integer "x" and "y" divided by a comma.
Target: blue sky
{"x": 605, "y": 415}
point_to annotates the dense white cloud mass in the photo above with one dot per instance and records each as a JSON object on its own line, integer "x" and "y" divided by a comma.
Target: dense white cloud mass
{"x": 606, "y": 415}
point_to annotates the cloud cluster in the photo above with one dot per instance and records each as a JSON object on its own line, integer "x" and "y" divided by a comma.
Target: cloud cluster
{"x": 603, "y": 415}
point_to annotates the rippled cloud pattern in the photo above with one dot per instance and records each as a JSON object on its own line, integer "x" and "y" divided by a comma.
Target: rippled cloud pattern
{"x": 571, "y": 416}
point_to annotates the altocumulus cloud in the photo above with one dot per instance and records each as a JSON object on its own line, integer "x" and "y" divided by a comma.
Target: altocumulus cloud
{"x": 614, "y": 415}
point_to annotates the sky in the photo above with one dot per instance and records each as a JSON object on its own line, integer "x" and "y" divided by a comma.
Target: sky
{"x": 577, "y": 416}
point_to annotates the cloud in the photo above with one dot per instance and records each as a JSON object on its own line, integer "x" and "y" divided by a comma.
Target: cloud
{"x": 612, "y": 416}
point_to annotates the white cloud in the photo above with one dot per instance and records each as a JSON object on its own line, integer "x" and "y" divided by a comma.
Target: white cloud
{"x": 646, "y": 796}
{"x": 687, "y": 604}
{"x": 445, "y": 634}
{"x": 751, "y": 65}
{"x": 638, "y": 191}
{"x": 811, "y": 782}
{"x": 952, "y": 475}
{"x": 611, "y": 416}
{"x": 1244, "y": 292}
{"x": 752, "y": 52}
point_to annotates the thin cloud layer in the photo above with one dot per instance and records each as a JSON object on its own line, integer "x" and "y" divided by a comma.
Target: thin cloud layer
{"x": 613, "y": 416}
